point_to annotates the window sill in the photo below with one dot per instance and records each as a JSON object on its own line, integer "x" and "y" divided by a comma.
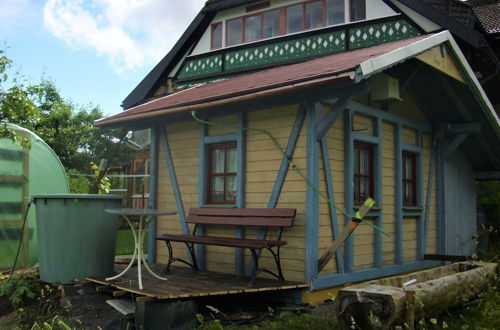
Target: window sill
{"x": 412, "y": 208}
{"x": 357, "y": 207}
{"x": 227, "y": 206}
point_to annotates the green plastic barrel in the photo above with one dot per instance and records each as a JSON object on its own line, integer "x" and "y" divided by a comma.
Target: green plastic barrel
{"x": 76, "y": 237}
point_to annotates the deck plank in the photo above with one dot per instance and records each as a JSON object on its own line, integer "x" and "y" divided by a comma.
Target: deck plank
{"x": 183, "y": 282}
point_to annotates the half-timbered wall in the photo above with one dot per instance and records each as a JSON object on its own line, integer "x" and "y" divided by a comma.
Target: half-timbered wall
{"x": 367, "y": 253}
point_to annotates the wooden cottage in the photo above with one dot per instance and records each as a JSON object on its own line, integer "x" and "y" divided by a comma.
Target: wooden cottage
{"x": 364, "y": 98}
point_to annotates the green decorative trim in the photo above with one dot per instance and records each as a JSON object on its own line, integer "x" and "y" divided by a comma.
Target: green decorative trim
{"x": 321, "y": 44}
{"x": 201, "y": 66}
{"x": 381, "y": 33}
{"x": 291, "y": 48}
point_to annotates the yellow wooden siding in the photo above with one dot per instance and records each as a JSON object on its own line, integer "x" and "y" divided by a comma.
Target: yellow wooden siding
{"x": 363, "y": 124}
{"x": 409, "y": 239}
{"x": 263, "y": 163}
{"x": 409, "y": 136}
{"x": 183, "y": 140}
{"x": 408, "y": 108}
{"x": 226, "y": 120}
{"x": 335, "y": 137}
{"x": 388, "y": 193}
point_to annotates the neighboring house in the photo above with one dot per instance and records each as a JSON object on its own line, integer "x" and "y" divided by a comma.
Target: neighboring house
{"x": 367, "y": 99}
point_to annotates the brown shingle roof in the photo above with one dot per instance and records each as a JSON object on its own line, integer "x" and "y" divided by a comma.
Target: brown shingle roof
{"x": 279, "y": 78}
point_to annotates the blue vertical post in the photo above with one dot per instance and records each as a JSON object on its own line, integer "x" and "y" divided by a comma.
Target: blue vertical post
{"x": 173, "y": 182}
{"x": 153, "y": 191}
{"x": 430, "y": 181}
{"x": 202, "y": 193}
{"x": 331, "y": 195}
{"x": 378, "y": 258}
{"x": 348, "y": 186}
{"x": 398, "y": 182}
{"x": 240, "y": 188}
{"x": 420, "y": 199}
{"x": 312, "y": 198}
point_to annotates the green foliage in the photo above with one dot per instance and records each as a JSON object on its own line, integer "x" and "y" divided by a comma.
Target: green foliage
{"x": 287, "y": 321}
{"x": 78, "y": 184}
{"x": 66, "y": 127}
{"x": 20, "y": 288}
{"x": 488, "y": 192}
{"x": 102, "y": 180}
{"x": 56, "y": 323}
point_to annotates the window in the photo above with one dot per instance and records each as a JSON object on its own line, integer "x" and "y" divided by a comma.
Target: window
{"x": 294, "y": 18}
{"x": 253, "y": 27}
{"x": 335, "y": 12}
{"x": 234, "y": 32}
{"x": 302, "y": 16}
{"x": 409, "y": 179}
{"x": 358, "y": 10}
{"x": 271, "y": 23}
{"x": 216, "y": 36}
{"x": 221, "y": 173}
{"x": 363, "y": 172}
{"x": 314, "y": 14}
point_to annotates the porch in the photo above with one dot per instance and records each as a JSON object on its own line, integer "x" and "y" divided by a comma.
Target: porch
{"x": 185, "y": 283}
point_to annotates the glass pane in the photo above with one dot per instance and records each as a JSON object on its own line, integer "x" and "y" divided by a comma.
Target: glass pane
{"x": 364, "y": 162}
{"x": 234, "y": 31}
{"x": 408, "y": 167}
{"x": 218, "y": 161}
{"x": 335, "y": 12}
{"x": 294, "y": 19}
{"x": 271, "y": 24}
{"x": 358, "y": 10}
{"x": 218, "y": 188}
{"x": 364, "y": 189}
{"x": 252, "y": 28}
{"x": 356, "y": 160}
{"x": 231, "y": 160}
{"x": 217, "y": 36}
{"x": 231, "y": 188}
{"x": 314, "y": 14}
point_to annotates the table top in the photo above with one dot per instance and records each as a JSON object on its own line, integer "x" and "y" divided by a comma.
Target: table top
{"x": 140, "y": 212}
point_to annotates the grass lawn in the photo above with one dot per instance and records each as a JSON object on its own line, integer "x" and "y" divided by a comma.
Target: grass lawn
{"x": 125, "y": 242}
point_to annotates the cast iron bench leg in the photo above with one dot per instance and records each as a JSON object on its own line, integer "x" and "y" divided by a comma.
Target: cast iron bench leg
{"x": 255, "y": 267}
{"x": 171, "y": 259}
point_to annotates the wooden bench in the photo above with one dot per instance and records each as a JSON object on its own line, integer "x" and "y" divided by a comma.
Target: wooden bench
{"x": 248, "y": 217}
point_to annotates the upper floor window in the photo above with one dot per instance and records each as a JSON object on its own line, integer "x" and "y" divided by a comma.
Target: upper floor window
{"x": 216, "y": 36}
{"x": 234, "y": 31}
{"x": 289, "y": 19}
{"x": 409, "y": 179}
{"x": 314, "y": 14}
{"x": 221, "y": 173}
{"x": 335, "y": 12}
{"x": 358, "y": 10}
{"x": 363, "y": 172}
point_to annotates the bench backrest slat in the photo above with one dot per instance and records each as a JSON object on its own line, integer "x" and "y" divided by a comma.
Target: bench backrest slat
{"x": 242, "y": 217}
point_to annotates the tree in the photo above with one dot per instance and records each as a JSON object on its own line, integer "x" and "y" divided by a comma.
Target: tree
{"x": 66, "y": 127}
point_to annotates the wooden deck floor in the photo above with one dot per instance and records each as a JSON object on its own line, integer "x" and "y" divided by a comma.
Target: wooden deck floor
{"x": 185, "y": 283}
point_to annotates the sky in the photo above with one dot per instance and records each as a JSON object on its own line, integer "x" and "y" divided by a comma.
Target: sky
{"x": 96, "y": 51}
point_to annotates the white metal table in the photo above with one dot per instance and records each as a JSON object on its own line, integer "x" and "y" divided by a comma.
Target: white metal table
{"x": 145, "y": 218}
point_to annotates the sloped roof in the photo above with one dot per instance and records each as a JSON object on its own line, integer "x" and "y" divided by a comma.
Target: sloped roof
{"x": 278, "y": 79}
